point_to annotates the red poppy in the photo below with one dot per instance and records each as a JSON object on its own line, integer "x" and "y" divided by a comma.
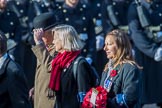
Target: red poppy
{"x": 113, "y": 73}
{"x": 101, "y": 98}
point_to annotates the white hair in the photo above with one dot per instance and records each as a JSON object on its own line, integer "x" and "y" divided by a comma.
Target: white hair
{"x": 69, "y": 37}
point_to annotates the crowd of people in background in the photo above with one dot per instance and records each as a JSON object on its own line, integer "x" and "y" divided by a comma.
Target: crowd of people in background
{"x": 40, "y": 41}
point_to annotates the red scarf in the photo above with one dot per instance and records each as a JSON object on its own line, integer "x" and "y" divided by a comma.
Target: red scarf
{"x": 61, "y": 61}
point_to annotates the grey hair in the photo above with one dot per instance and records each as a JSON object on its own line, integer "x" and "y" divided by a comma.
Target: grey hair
{"x": 69, "y": 37}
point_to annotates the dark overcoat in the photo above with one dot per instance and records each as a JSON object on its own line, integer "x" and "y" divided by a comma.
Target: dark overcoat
{"x": 119, "y": 10}
{"x": 145, "y": 49}
{"x": 81, "y": 19}
{"x": 73, "y": 88}
{"x": 13, "y": 86}
{"x": 10, "y": 26}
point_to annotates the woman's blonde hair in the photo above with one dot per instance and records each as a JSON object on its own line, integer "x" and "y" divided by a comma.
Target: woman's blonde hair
{"x": 124, "y": 52}
{"x": 69, "y": 37}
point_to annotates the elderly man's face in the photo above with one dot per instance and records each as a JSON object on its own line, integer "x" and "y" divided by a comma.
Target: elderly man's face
{"x": 3, "y": 4}
{"x": 47, "y": 38}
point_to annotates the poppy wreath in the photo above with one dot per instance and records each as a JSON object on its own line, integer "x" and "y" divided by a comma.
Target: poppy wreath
{"x": 101, "y": 98}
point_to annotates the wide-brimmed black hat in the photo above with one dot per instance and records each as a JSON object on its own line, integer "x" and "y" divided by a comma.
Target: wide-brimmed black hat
{"x": 45, "y": 20}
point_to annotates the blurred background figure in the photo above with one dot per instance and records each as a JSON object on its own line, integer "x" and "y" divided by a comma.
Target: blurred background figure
{"x": 37, "y": 7}
{"x": 145, "y": 19}
{"x": 13, "y": 83}
{"x": 99, "y": 35}
{"x": 114, "y": 14}
{"x": 20, "y": 7}
{"x": 10, "y": 25}
{"x": 108, "y": 15}
{"x": 22, "y": 29}
{"x": 74, "y": 13}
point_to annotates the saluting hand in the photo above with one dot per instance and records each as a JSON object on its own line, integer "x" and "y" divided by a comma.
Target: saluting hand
{"x": 38, "y": 34}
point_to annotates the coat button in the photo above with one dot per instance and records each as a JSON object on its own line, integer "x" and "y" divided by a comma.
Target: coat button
{"x": 21, "y": 11}
{"x": 18, "y": 3}
{"x": 84, "y": 50}
{"x": 66, "y": 19}
{"x": 98, "y": 4}
{"x": 11, "y": 23}
{"x": 8, "y": 13}
{"x": 12, "y": 34}
{"x": 99, "y": 14}
{"x": 64, "y": 10}
{"x": 84, "y": 29}
{"x": 81, "y": 9}
{"x": 84, "y": 18}
{"x": 84, "y": 6}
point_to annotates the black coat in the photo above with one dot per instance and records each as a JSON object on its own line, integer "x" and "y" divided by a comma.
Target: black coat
{"x": 10, "y": 25}
{"x": 145, "y": 49}
{"x": 13, "y": 86}
{"x": 71, "y": 87}
{"x": 126, "y": 82}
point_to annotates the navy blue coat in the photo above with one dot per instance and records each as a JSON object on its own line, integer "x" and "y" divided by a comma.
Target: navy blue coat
{"x": 120, "y": 11}
{"x": 81, "y": 19}
{"x": 10, "y": 25}
{"x": 145, "y": 49}
{"x": 13, "y": 86}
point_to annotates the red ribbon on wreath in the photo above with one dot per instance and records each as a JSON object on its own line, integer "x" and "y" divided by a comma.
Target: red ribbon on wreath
{"x": 101, "y": 98}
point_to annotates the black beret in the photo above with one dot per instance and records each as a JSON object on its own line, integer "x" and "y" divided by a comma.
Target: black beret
{"x": 45, "y": 20}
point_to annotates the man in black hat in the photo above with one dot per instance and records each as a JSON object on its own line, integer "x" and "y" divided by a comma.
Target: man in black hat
{"x": 44, "y": 52}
